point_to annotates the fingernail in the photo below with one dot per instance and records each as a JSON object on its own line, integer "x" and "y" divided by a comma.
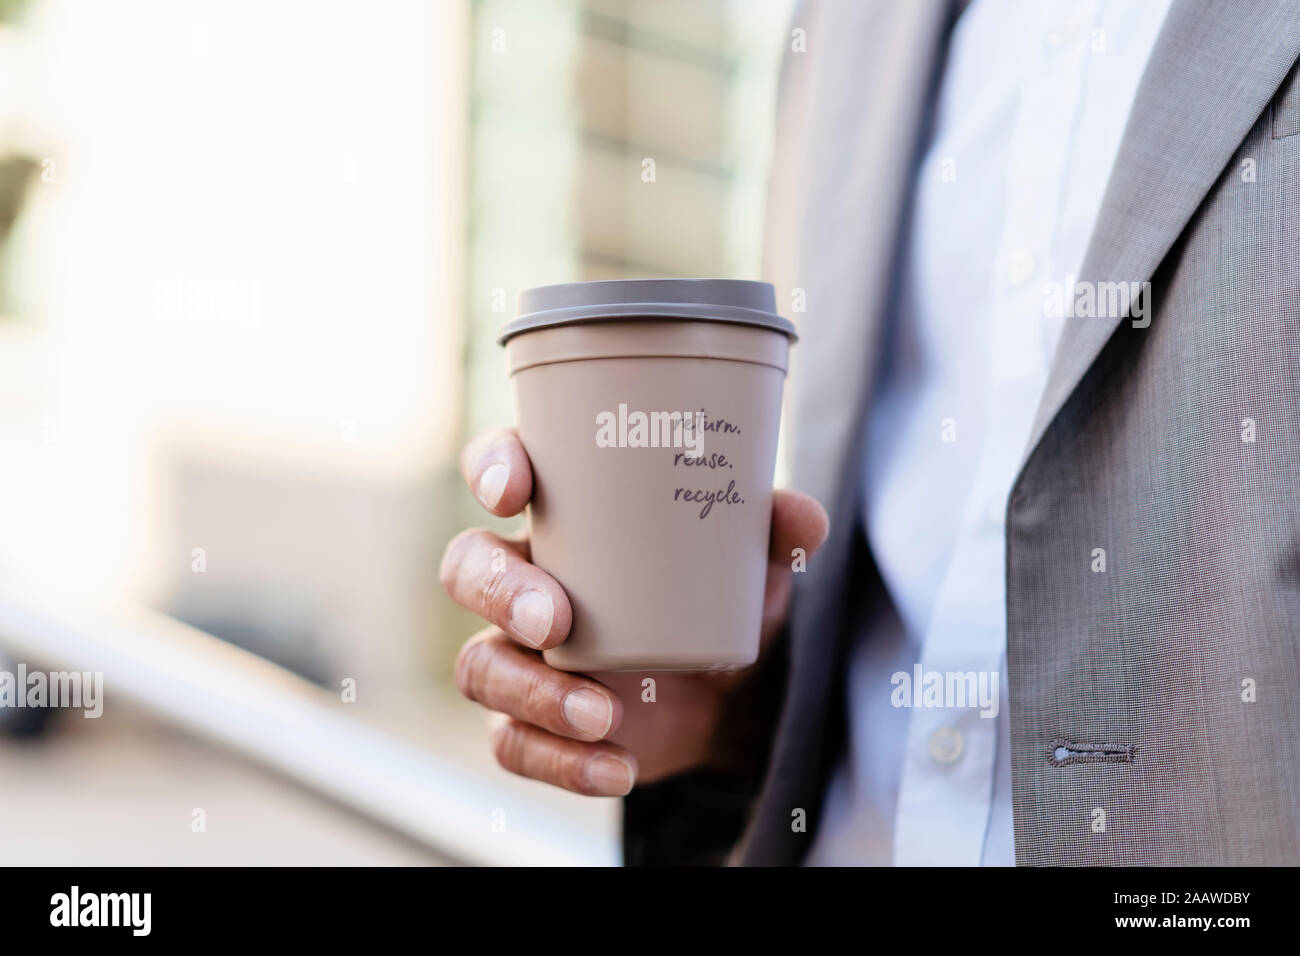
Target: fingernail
{"x": 531, "y": 615}
{"x": 609, "y": 775}
{"x": 492, "y": 484}
{"x": 588, "y": 712}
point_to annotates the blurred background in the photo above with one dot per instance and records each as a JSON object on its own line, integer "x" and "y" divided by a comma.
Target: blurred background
{"x": 253, "y": 256}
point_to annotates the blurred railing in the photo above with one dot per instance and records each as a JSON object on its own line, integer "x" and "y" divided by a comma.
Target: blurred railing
{"x": 238, "y": 700}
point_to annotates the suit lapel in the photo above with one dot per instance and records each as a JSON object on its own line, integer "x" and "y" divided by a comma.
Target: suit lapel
{"x": 1213, "y": 70}
{"x": 850, "y": 114}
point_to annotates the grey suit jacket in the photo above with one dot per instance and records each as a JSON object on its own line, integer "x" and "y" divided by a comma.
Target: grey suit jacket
{"x": 1164, "y": 691}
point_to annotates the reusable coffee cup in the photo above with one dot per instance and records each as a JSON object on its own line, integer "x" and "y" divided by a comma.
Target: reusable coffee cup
{"x": 650, "y": 411}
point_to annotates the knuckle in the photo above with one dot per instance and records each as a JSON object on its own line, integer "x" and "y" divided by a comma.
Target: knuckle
{"x": 478, "y": 572}
{"x": 453, "y": 557}
{"x": 507, "y": 747}
{"x": 566, "y": 771}
{"x": 541, "y": 702}
{"x": 497, "y": 590}
{"x": 470, "y": 667}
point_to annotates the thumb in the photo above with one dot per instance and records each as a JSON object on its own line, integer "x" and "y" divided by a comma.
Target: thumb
{"x": 798, "y": 521}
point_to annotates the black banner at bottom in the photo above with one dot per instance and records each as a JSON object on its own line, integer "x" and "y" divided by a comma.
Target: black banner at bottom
{"x": 338, "y": 905}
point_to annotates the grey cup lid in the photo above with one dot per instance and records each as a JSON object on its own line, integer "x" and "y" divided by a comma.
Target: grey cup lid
{"x": 738, "y": 301}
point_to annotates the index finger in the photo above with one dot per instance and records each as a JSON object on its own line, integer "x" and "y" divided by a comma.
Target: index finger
{"x": 498, "y": 472}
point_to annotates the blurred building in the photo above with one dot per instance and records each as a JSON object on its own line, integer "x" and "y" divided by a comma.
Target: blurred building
{"x": 612, "y": 139}
{"x": 253, "y": 257}
{"x": 232, "y": 362}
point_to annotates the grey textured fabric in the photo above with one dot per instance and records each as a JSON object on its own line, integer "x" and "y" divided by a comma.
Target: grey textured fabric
{"x": 1143, "y": 449}
{"x": 1143, "y": 671}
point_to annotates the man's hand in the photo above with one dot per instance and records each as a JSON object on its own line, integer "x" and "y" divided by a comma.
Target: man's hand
{"x": 591, "y": 736}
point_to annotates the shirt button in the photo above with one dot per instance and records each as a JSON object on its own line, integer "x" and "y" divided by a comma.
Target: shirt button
{"x": 995, "y": 513}
{"x": 946, "y": 745}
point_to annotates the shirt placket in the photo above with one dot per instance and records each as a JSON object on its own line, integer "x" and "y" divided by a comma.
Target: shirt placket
{"x": 949, "y": 759}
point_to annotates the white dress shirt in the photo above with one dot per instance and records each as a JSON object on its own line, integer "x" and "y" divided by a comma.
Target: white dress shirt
{"x": 1029, "y": 119}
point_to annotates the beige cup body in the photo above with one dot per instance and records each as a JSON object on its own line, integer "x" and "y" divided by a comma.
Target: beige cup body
{"x": 654, "y": 585}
